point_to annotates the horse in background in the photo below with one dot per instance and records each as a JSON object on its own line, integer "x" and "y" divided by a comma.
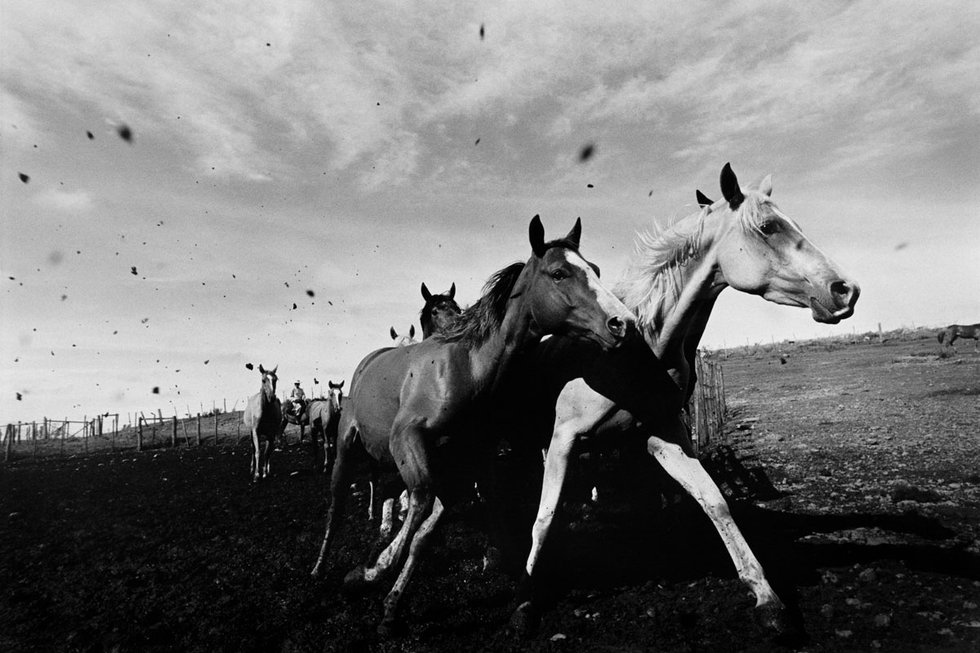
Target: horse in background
{"x": 298, "y": 413}
{"x": 422, "y": 409}
{"x": 263, "y": 417}
{"x": 403, "y": 341}
{"x": 324, "y": 416}
{"x": 949, "y": 335}
{"x": 439, "y": 313}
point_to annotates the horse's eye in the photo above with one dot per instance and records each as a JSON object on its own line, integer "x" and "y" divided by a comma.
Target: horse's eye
{"x": 559, "y": 274}
{"x": 769, "y": 227}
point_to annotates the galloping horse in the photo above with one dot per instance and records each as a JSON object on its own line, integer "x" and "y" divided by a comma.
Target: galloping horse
{"x": 263, "y": 417}
{"x": 324, "y": 416}
{"x": 403, "y": 341}
{"x": 409, "y": 405}
{"x": 439, "y": 313}
{"x": 745, "y": 242}
{"x": 949, "y": 335}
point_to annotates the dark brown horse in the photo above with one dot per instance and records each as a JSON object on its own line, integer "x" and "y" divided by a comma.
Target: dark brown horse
{"x": 296, "y": 412}
{"x": 439, "y": 313}
{"x": 324, "y": 417}
{"x": 408, "y": 403}
{"x": 949, "y": 335}
{"x": 263, "y": 417}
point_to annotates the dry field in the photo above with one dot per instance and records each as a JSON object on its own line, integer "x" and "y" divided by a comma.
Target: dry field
{"x": 854, "y": 471}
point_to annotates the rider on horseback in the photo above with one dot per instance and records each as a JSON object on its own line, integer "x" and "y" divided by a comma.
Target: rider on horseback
{"x": 298, "y": 400}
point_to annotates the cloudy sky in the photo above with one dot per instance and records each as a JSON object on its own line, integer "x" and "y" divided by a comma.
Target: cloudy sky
{"x": 296, "y": 170}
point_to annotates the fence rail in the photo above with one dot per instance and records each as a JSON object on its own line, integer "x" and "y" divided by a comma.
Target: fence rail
{"x": 50, "y": 437}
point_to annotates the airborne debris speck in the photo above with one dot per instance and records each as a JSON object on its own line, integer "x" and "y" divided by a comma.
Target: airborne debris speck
{"x": 482, "y": 31}
{"x": 586, "y": 152}
{"x": 125, "y": 132}
{"x": 24, "y": 178}
{"x": 249, "y": 366}
{"x": 156, "y": 390}
{"x": 310, "y": 293}
{"x": 133, "y": 271}
{"x": 90, "y": 135}
{"x": 20, "y": 397}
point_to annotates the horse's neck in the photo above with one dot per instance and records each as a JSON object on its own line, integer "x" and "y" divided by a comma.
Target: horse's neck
{"x": 683, "y": 316}
{"x": 490, "y": 360}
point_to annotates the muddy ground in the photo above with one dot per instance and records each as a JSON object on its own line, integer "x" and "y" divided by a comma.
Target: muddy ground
{"x": 853, "y": 470}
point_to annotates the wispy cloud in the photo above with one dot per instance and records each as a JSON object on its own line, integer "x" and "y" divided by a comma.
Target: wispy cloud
{"x": 75, "y": 202}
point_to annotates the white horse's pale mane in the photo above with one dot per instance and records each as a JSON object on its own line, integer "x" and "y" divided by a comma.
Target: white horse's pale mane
{"x": 661, "y": 253}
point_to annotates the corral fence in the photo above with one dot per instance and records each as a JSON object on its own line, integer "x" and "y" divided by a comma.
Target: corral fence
{"x": 705, "y": 416}
{"x": 707, "y": 409}
{"x": 63, "y": 437}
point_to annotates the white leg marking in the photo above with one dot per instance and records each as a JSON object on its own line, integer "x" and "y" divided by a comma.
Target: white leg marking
{"x": 695, "y": 480}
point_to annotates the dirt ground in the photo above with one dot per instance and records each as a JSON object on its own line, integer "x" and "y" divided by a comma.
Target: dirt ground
{"x": 853, "y": 470}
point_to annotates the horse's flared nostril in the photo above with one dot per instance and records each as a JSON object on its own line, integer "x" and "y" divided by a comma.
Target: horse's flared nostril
{"x": 845, "y": 294}
{"x": 616, "y": 326}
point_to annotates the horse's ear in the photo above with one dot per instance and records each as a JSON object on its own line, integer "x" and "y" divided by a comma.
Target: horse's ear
{"x": 452, "y": 290}
{"x": 273, "y": 372}
{"x": 575, "y": 235}
{"x": 392, "y": 332}
{"x": 703, "y": 200}
{"x": 341, "y": 384}
{"x": 426, "y": 295}
{"x": 765, "y": 186}
{"x": 536, "y": 235}
{"x": 261, "y": 369}
{"x": 411, "y": 331}
{"x": 730, "y": 188}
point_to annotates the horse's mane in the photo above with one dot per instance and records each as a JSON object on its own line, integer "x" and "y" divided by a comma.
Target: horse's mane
{"x": 654, "y": 271}
{"x": 660, "y": 254}
{"x": 480, "y": 320}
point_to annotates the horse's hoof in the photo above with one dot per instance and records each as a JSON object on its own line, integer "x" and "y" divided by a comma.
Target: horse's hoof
{"x": 355, "y": 582}
{"x": 390, "y": 628}
{"x": 493, "y": 560}
{"x": 524, "y": 622}
{"x": 777, "y": 620}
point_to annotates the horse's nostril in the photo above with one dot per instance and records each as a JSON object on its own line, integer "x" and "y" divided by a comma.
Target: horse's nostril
{"x": 844, "y": 293}
{"x": 616, "y": 326}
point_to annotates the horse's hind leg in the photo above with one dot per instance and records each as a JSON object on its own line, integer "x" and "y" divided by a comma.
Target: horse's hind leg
{"x": 414, "y": 550}
{"x": 695, "y": 480}
{"x": 340, "y": 479}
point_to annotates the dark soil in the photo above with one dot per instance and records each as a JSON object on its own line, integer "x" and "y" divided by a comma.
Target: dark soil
{"x": 853, "y": 471}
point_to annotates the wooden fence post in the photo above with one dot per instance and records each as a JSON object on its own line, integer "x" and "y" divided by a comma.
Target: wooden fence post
{"x": 10, "y": 439}
{"x": 34, "y": 440}
{"x": 199, "y": 429}
{"x": 64, "y": 434}
{"x": 173, "y": 434}
{"x": 216, "y": 429}
{"x": 139, "y": 433}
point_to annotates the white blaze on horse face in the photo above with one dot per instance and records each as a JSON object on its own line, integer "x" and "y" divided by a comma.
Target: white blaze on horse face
{"x": 609, "y": 305}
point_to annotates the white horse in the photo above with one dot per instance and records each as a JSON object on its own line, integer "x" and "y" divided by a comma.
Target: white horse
{"x": 263, "y": 417}
{"x": 745, "y": 242}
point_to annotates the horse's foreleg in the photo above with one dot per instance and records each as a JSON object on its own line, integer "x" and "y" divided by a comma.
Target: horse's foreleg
{"x": 414, "y": 551}
{"x": 256, "y": 455}
{"x": 695, "y": 480}
{"x": 339, "y": 485}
